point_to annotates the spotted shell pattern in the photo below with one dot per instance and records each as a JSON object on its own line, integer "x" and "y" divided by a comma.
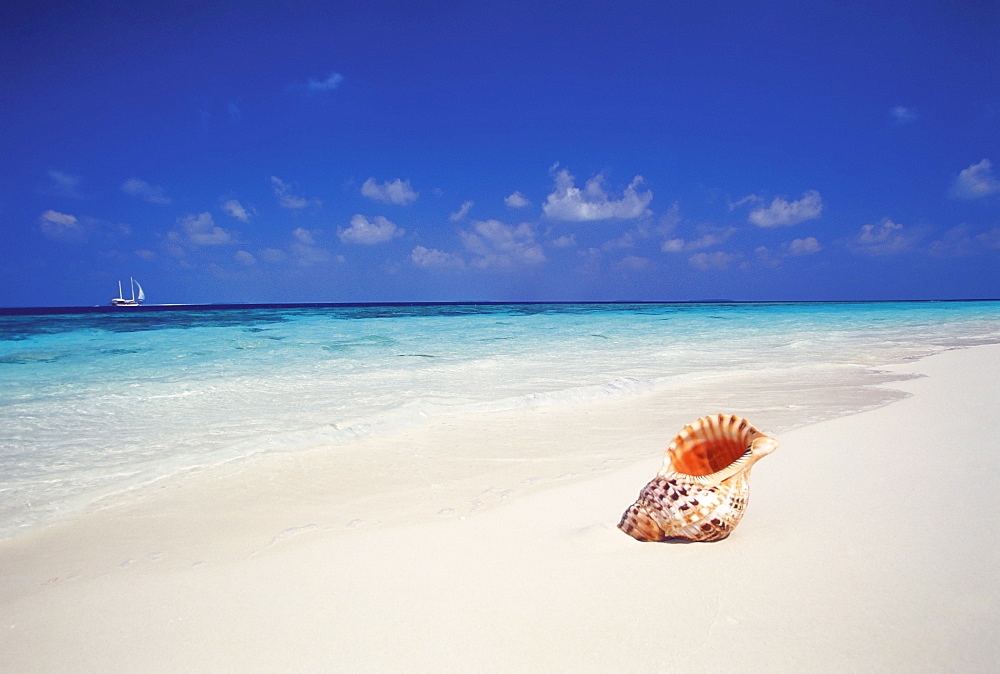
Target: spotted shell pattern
{"x": 702, "y": 488}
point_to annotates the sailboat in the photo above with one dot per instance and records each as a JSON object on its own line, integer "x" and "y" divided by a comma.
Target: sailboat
{"x": 122, "y": 301}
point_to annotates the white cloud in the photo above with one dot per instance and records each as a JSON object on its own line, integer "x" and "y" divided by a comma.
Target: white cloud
{"x": 670, "y": 219}
{"x": 397, "y": 192}
{"x": 272, "y": 255}
{"x": 461, "y": 212}
{"x": 989, "y": 239}
{"x": 568, "y": 202}
{"x": 749, "y": 199}
{"x": 564, "y": 241}
{"x": 805, "y": 246}
{"x": 237, "y": 210}
{"x": 304, "y": 236}
{"x": 961, "y": 241}
{"x": 885, "y": 238}
{"x": 64, "y": 185}
{"x": 635, "y": 263}
{"x": 67, "y": 228}
{"x": 975, "y": 182}
{"x": 783, "y": 213}
{"x": 764, "y": 258}
{"x": 901, "y": 114}
{"x": 245, "y": 258}
{"x": 303, "y": 249}
{"x": 140, "y": 188}
{"x": 626, "y": 240}
{"x": 364, "y": 231}
{"x": 62, "y": 227}
{"x": 709, "y": 236}
{"x": 500, "y": 245}
{"x": 200, "y": 230}
{"x": 288, "y": 200}
{"x": 516, "y": 200}
{"x": 432, "y": 257}
{"x": 332, "y": 81}
{"x": 709, "y": 261}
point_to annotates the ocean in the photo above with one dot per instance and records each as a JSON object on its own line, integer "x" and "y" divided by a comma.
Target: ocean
{"x": 98, "y": 402}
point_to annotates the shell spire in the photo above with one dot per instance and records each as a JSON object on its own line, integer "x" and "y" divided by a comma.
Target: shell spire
{"x": 702, "y": 488}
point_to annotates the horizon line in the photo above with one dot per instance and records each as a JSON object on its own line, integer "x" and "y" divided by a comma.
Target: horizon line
{"x": 99, "y": 308}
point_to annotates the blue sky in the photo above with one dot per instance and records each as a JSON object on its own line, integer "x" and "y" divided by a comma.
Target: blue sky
{"x": 407, "y": 151}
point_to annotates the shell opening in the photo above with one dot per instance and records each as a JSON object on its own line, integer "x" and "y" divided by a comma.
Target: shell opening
{"x": 709, "y": 456}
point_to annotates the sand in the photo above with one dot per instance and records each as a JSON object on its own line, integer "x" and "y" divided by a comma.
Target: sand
{"x": 870, "y": 543}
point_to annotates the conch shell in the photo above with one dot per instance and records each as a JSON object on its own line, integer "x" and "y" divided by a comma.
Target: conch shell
{"x": 703, "y": 486}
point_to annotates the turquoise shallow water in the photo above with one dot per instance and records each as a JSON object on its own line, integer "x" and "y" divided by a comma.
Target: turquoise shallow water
{"x": 94, "y": 403}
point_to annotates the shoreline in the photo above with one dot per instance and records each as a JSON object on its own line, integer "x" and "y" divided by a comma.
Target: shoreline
{"x": 102, "y": 411}
{"x": 841, "y": 562}
{"x": 620, "y": 429}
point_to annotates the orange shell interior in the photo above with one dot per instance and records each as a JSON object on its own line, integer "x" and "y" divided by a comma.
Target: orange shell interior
{"x": 703, "y": 452}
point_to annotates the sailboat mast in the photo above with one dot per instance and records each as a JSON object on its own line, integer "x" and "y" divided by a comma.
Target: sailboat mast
{"x": 131, "y": 282}
{"x": 119, "y": 289}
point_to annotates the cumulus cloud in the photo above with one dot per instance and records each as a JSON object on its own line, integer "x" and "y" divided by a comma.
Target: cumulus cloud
{"x": 65, "y": 185}
{"x": 282, "y": 190}
{"x": 140, "y": 188}
{"x": 626, "y": 240}
{"x": 304, "y": 236}
{"x": 782, "y": 213}
{"x": 963, "y": 240}
{"x": 304, "y": 248}
{"x": 62, "y": 227}
{"x": 397, "y": 192}
{"x": 434, "y": 258}
{"x": 237, "y": 210}
{"x": 273, "y": 255}
{"x": 885, "y": 238}
{"x": 976, "y": 182}
{"x": 901, "y": 114}
{"x": 763, "y": 257}
{"x": 670, "y": 219}
{"x": 516, "y": 200}
{"x": 564, "y": 241}
{"x": 708, "y": 236}
{"x": 332, "y": 81}
{"x": 806, "y": 246}
{"x": 496, "y": 244}
{"x": 200, "y": 230}
{"x": 635, "y": 263}
{"x": 364, "y": 231}
{"x": 245, "y": 258}
{"x": 461, "y": 212}
{"x": 709, "y": 261}
{"x": 568, "y": 202}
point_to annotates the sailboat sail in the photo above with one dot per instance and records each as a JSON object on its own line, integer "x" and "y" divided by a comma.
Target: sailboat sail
{"x": 122, "y": 301}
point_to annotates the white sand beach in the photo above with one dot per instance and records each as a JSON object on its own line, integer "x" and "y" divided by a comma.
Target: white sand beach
{"x": 869, "y": 545}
